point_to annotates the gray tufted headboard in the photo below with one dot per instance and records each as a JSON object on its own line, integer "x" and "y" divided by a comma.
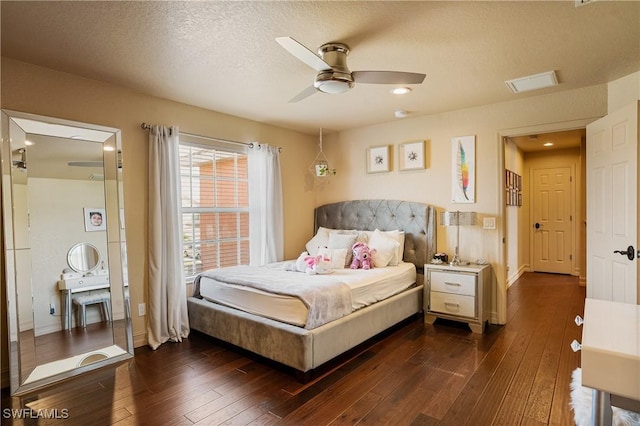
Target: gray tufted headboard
{"x": 417, "y": 220}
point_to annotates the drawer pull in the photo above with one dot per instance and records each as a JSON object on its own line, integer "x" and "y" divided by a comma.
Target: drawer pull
{"x": 455, "y": 305}
{"x": 453, "y": 284}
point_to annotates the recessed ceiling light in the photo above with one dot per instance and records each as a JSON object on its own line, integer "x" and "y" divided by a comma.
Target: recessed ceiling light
{"x": 548, "y": 144}
{"x": 400, "y": 90}
{"x": 400, "y": 113}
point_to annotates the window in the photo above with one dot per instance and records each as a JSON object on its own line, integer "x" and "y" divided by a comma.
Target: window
{"x": 215, "y": 205}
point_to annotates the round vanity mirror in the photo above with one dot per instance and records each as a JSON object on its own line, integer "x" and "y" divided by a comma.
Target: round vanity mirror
{"x": 83, "y": 257}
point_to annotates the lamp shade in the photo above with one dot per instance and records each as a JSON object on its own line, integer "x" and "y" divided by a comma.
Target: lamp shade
{"x": 458, "y": 218}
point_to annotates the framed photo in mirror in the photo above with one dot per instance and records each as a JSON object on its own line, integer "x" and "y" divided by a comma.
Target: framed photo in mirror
{"x": 94, "y": 219}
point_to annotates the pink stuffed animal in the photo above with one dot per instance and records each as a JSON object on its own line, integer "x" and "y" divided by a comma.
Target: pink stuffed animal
{"x": 311, "y": 265}
{"x": 362, "y": 256}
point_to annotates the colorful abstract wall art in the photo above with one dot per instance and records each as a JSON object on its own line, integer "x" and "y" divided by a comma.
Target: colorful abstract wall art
{"x": 463, "y": 177}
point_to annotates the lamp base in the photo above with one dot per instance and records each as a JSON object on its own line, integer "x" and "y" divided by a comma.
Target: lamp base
{"x": 456, "y": 261}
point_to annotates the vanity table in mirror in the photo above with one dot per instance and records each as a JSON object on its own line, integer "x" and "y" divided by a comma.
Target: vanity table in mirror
{"x": 56, "y": 175}
{"x": 88, "y": 274}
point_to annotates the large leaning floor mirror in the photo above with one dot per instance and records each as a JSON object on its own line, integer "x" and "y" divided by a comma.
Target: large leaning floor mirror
{"x": 63, "y": 234}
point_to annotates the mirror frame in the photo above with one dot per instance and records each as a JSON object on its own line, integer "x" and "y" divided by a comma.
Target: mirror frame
{"x": 116, "y": 253}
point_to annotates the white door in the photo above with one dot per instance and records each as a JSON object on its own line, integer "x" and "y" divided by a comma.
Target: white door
{"x": 551, "y": 203}
{"x": 612, "y": 204}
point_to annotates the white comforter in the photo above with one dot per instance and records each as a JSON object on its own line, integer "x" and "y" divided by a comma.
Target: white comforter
{"x": 326, "y": 296}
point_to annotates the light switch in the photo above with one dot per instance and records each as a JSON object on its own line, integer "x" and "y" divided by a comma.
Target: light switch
{"x": 489, "y": 223}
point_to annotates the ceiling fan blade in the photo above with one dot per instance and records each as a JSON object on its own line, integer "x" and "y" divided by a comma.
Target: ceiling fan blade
{"x": 85, "y": 163}
{"x": 302, "y": 53}
{"x": 304, "y": 94}
{"x": 387, "y": 77}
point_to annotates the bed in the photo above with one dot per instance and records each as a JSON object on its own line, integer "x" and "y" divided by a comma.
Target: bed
{"x": 298, "y": 343}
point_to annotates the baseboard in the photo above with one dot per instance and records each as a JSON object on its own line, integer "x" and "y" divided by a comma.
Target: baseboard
{"x": 513, "y": 278}
{"x": 140, "y": 340}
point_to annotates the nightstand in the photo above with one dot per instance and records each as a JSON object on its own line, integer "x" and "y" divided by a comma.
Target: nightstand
{"x": 460, "y": 293}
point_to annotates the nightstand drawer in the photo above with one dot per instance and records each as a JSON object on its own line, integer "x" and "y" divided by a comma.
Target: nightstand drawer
{"x": 453, "y": 304}
{"x": 456, "y": 283}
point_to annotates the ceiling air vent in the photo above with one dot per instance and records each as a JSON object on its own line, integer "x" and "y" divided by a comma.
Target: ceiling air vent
{"x": 532, "y": 82}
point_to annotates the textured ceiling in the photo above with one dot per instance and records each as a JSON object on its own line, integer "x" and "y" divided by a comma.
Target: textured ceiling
{"x": 223, "y": 55}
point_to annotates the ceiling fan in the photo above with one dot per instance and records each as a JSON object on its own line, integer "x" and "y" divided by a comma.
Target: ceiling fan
{"x": 333, "y": 74}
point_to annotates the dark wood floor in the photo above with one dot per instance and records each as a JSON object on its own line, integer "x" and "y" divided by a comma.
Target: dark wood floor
{"x": 418, "y": 374}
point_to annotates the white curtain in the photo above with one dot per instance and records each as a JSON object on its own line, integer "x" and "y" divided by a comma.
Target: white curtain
{"x": 167, "y": 310}
{"x": 266, "y": 230}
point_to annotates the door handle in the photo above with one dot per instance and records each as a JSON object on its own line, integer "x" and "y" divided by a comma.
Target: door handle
{"x": 537, "y": 225}
{"x": 630, "y": 252}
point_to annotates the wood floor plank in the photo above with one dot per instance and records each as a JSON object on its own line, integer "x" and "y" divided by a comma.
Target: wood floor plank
{"x": 414, "y": 374}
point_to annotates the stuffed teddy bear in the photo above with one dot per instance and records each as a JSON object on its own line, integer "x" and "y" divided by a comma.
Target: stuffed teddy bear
{"x": 309, "y": 264}
{"x": 362, "y": 256}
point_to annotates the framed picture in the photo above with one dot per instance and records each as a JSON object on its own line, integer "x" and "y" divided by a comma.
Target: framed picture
{"x": 463, "y": 175}
{"x": 412, "y": 155}
{"x": 513, "y": 186}
{"x": 378, "y": 159}
{"x": 94, "y": 219}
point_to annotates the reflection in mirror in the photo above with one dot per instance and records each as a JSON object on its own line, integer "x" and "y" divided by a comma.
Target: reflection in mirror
{"x": 63, "y": 231}
{"x": 83, "y": 258}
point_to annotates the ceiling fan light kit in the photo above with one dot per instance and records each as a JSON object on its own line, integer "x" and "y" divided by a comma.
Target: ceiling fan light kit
{"x": 333, "y": 74}
{"x": 400, "y": 90}
{"x": 333, "y": 82}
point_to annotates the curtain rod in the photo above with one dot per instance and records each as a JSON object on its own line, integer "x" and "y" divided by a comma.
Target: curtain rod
{"x": 250, "y": 144}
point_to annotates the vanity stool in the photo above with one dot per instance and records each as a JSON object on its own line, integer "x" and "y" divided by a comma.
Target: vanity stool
{"x": 102, "y": 297}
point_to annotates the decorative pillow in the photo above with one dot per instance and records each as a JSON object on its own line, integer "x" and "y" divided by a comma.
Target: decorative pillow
{"x": 396, "y": 235}
{"x": 386, "y": 249}
{"x": 338, "y": 257}
{"x": 340, "y": 240}
{"x": 321, "y": 239}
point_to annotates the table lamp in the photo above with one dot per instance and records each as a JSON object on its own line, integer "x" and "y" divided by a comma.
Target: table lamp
{"x": 457, "y": 218}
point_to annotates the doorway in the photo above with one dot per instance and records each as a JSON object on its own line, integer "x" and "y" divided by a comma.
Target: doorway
{"x": 552, "y": 165}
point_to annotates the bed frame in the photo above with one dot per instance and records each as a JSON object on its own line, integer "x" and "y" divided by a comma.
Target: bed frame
{"x": 305, "y": 350}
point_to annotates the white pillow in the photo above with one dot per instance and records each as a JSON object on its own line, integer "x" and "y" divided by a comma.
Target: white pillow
{"x": 399, "y": 237}
{"x": 386, "y": 248}
{"x": 321, "y": 239}
{"x": 338, "y": 257}
{"x": 340, "y": 240}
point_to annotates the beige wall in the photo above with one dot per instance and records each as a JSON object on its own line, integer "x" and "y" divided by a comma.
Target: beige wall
{"x": 489, "y": 123}
{"x": 623, "y": 91}
{"x": 38, "y": 90}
